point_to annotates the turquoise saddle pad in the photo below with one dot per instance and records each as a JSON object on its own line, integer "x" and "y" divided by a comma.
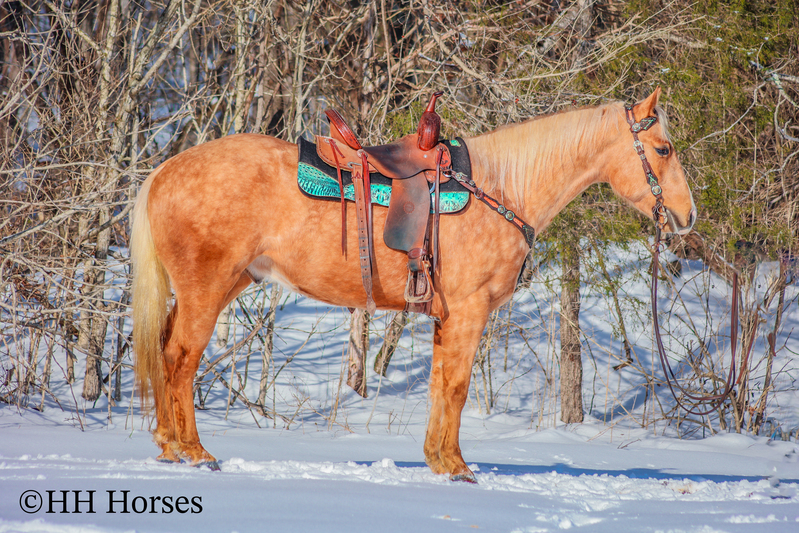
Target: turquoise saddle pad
{"x": 316, "y": 183}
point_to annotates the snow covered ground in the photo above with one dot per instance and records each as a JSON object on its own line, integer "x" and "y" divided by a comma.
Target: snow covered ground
{"x": 528, "y": 481}
{"x": 350, "y": 464}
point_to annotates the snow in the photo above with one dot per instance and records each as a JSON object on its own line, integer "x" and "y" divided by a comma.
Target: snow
{"x": 345, "y": 463}
{"x": 279, "y": 480}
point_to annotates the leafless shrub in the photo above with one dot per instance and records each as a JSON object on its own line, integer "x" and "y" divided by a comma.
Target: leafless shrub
{"x": 95, "y": 95}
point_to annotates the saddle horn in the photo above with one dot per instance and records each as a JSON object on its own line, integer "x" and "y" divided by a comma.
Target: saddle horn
{"x": 429, "y": 125}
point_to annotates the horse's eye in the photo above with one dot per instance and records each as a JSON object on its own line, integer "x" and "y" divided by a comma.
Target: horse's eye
{"x": 662, "y": 151}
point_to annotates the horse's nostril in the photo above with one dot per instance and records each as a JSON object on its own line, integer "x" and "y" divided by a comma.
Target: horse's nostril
{"x": 692, "y": 217}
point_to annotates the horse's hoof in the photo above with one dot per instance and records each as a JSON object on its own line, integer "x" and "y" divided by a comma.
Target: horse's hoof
{"x": 213, "y": 466}
{"x": 468, "y": 477}
{"x": 168, "y": 457}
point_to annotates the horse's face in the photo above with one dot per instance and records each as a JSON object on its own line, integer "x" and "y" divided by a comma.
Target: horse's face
{"x": 627, "y": 176}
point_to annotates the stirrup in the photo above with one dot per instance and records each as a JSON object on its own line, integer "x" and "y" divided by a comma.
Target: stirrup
{"x": 428, "y": 294}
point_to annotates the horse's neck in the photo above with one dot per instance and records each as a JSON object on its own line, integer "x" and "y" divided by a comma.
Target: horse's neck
{"x": 552, "y": 175}
{"x": 549, "y": 192}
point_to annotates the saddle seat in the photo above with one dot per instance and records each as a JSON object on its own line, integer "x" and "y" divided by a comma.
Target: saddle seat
{"x": 409, "y": 226}
{"x": 399, "y": 159}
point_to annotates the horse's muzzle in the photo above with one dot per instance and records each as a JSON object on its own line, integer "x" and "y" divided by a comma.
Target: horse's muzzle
{"x": 676, "y": 227}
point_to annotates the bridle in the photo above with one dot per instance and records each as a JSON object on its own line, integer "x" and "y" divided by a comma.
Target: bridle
{"x": 660, "y": 217}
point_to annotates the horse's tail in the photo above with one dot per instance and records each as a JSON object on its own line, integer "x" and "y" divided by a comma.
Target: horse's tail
{"x": 151, "y": 295}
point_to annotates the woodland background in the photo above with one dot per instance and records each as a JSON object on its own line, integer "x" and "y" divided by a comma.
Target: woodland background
{"x": 94, "y": 95}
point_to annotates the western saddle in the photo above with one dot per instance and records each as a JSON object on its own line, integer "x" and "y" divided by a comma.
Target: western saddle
{"x": 417, "y": 164}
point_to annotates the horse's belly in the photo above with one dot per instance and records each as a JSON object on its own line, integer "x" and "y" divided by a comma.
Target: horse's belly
{"x": 312, "y": 267}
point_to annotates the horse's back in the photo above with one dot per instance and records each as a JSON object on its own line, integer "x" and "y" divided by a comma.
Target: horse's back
{"x": 220, "y": 178}
{"x": 228, "y": 165}
{"x": 209, "y": 201}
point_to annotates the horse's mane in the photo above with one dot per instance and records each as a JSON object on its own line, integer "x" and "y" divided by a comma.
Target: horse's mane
{"x": 513, "y": 157}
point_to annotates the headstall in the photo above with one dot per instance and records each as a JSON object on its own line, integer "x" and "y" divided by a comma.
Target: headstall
{"x": 659, "y": 215}
{"x": 659, "y": 211}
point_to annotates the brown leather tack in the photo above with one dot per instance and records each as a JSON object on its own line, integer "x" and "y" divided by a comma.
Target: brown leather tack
{"x": 413, "y": 162}
{"x": 340, "y": 130}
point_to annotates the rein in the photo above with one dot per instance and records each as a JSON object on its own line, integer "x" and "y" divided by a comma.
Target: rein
{"x": 659, "y": 215}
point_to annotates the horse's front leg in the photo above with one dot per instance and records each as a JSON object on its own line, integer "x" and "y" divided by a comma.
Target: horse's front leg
{"x": 454, "y": 346}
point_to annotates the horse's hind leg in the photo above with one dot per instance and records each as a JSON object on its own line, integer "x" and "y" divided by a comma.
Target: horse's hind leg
{"x": 164, "y": 433}
{"x": 454, "y": 346}
{"x": 190, "y": 328}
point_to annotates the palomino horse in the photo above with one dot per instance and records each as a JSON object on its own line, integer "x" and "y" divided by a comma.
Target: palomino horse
{"x": 209, "y": 213}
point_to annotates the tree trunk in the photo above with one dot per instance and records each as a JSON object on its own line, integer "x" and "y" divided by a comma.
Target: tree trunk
{"x": 571, "y": 365}
{"x": 584, "y": 22}
{"x": 782, "y": 284}
{"x": 70, "y": 346}
{"x": 393, "y": 335}
{"x": 223, "y": 326}
{"x": 266, "y": 356}
{"x": 368, "y": 67}
{"x": 749, "y": 317}
{"x": 356, "y": 351}
{"x": 122, "y": 342}
{"x": 95, "y": 325}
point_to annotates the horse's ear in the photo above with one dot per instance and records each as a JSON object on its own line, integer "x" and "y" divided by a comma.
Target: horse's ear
{"x": 646, "y": 108}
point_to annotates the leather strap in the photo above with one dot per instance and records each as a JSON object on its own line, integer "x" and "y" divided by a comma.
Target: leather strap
{"x": 419, "y": 282}
{"x": 437, "y": 207}
{"x": 367, "y": 195}
{"x": 527, "y": 230}
{"x": 714, "y": 401}
{"x": 363, "y": 208}
{"x": 336, "y": 153}
{"x": 364, "y": 250}
{"x": 658, "y": 212}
